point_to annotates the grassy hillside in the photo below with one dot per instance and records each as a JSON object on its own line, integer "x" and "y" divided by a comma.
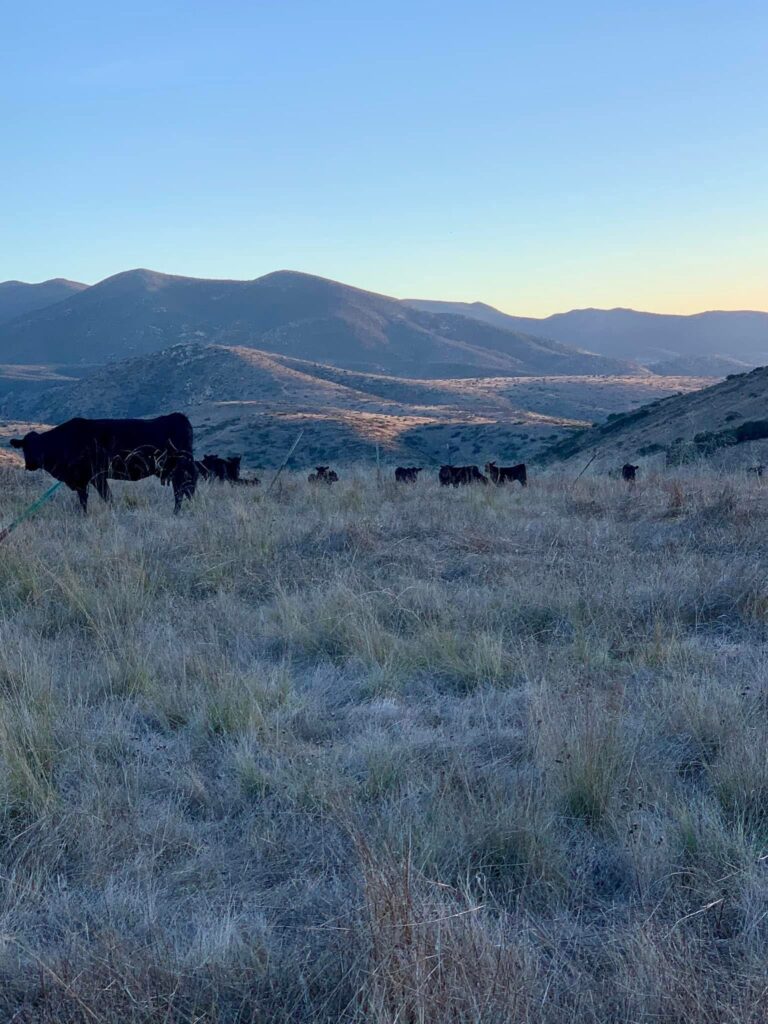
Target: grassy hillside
{"x": 374, "y": 754}
{"x": 255, "y": 403}
{"x": 141, "y": 311}
{"x": 718, "y": 420}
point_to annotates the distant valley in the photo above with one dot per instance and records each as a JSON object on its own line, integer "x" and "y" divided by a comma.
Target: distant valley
{"x": 253, "y": 362}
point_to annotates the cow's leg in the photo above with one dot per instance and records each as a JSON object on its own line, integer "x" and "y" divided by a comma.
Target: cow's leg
{"x": 184, "y": 480}
{"x": 82, "y": 493}
{"x": 100, "y": 483}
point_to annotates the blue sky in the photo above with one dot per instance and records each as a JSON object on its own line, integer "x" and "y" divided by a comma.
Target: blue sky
{"x": 537, "y": 157}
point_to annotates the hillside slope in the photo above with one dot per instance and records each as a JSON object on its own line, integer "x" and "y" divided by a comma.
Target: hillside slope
{"x": 18, "y": 298}
{"x": 289, "y": 313}
{"x": 731, "y": 340}
{"x": 255, "y": 402}
{"x": 723, "y": 419}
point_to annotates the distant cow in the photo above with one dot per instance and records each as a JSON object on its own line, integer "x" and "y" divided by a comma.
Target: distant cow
{"x": 500, "y": 474}
{"x": 629, "y": 472}
{"x": 458, "y": 476}
{"x": 406, "y": 474}
{"x": 81, "y": 452}
{"x": 323, "y": 475}
{"x": 226, "y": 470}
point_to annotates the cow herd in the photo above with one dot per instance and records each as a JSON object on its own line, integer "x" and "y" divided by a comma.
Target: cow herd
{"x": 88, "y": 452}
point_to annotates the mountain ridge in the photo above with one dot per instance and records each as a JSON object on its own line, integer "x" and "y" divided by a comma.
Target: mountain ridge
{"x": 289, "y": 312}
{"x": 738, "y": 338}
{"x": 20, "y": 297}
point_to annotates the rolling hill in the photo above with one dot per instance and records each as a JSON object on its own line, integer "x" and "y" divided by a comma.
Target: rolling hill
{"x": 245, "y": 400}
{"x": 725, "y": 422}
{"x": 728, "y": 341}
{"x": 18, "y": 298}
{"x": 292, "y": 314}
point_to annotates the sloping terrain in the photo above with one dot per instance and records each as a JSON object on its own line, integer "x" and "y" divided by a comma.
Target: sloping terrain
{"x": 255, "y": 402}
{"x": 18, "y": 298}
{"x": 735, "y": 340}
{"x": 721, "y": 420}
{"x": 292, "y": 314}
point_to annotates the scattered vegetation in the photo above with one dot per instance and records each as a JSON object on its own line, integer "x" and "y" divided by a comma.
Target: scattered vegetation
{"x": 380, "y": 754}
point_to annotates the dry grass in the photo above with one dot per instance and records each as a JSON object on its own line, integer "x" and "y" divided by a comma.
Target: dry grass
{"x": 380, "y": 754}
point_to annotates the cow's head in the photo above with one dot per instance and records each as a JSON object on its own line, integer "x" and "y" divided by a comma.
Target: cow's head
{"x": 31, "y": 445}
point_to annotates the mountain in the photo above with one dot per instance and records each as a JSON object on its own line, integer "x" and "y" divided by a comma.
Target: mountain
{"x": 724, "y": 421}
{"x": 18, "y": 298}
{"x": 293, "y": 314}
{"x": 735, "y": 338}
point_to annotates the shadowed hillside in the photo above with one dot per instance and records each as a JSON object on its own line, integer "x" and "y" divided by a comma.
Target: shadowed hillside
{"x": 255, "y": 402}
{"x": 18, "y": 298}
{"x": 722, "y": 421}
{"x": 717, "y": 342}
{"x": 292, "y": 314}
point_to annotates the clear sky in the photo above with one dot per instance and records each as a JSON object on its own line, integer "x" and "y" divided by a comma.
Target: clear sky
{"x": 536, "y": 156}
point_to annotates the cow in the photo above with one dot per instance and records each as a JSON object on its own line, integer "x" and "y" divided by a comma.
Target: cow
{"x": 500, "y": 474}
{"x": 82, "y": 451}
{"x": 460, "y": 475}
{"x": 407, "y": 474}
{"x": 323, "y": 475}
{"x": 211, "y": 467}
{"x": 225, "y": 470}
{"x": 629, "y": 472}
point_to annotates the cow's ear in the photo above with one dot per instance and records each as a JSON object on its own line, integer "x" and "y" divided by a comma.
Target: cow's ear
{"x": 17, "y": 442}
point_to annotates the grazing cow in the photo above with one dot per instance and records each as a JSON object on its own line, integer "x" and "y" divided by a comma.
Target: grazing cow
{"x": 629, "y": 472}
{"x": 225, "y": 470}
{"x": 323, "y": 475}
{"x": 500, "y": 474}
{"x": 460, "y": 475}
{"x": 406, "y": 474}
{"x": 82, "y": 452}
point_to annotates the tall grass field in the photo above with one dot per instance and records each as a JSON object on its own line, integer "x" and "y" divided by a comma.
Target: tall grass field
{"x": 387, "y": 754}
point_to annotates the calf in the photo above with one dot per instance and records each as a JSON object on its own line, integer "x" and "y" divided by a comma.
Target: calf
{"x": 226, "y": 470}
{"x": 323, "y": 475}
{"x": 500, "y": 474}
{"x": 458, "y": 476}
{"x": 82, "y": 452}
{"x": 406, "y": 475}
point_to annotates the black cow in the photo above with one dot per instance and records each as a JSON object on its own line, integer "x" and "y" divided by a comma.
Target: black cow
{"x": 500, "y": 474}
{"x": 82, "y": 452}
{"x": 629, "y": 472}
{"x": 225, "y": 470}
{"x": 458, "y": 476}
{"x": 407, "y": 474}
{"x": 323, "y": 475}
